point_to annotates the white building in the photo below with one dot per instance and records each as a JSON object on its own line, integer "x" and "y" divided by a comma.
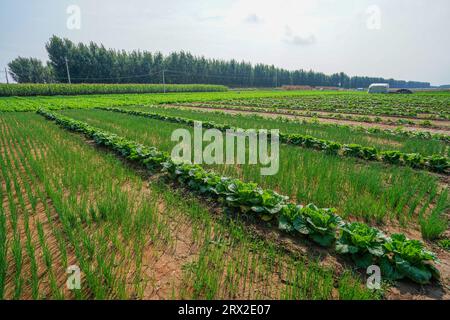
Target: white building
{"x": 378, "y": 88}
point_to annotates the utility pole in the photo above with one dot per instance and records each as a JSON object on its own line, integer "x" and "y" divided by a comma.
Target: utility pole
{"x": 164, "y": 81}
{"x": 6, "y": 74}
{"x": 276, "y": 78}
{"x": 67, "y": 69}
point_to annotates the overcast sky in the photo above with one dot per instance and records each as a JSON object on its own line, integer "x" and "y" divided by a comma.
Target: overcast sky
{"x": 402, "y": 39}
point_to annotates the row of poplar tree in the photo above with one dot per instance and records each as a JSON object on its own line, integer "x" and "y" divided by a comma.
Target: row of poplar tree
{"x": 93, "y": 63}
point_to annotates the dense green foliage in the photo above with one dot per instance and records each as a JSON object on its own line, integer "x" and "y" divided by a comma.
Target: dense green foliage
{"x": 362, "y": 242}
{"x": 318, "y": 223}
{"x": 77, "y": 89}
{"x": 397, "y": 256}
{"x": 29, "y": 70}
{"x": 444, "y": 243}
{"x": 249, "y": 198}
{"x": 410, "y": 259}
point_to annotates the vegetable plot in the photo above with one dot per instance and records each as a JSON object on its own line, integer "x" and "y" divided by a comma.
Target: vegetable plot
{"x": 397, "y": 132}
{"x": 403, "y": 257}
{"x": 434, "y": 104}
{"x": 434, "y": 163}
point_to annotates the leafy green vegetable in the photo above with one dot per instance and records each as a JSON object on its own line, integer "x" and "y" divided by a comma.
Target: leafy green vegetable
{"x": 363, "y": 243}
{"x": 393, "y": 157}
{"x": 411, "y": 259}
{"x": 318, "y": 223}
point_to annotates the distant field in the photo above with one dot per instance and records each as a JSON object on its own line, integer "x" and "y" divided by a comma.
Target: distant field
{"x": 108, "y": 100}
{"x": 436, "y": 104}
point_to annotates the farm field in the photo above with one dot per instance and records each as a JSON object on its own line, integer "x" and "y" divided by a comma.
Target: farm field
{"x": 412, "y": 127}
{"x": 435, "y": 105}
{"x": 17, "y": 103}
{"x": 391, "y": 122}
{"x": 305, "y": 176}
{"x": 363, "y": 114}
{"x": 132, "y": 239}
{"x": 346, "y": 134}
{"x": 140, "y": 227}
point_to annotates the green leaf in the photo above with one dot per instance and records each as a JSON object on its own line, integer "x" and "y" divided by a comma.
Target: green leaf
{"x": 284, "y": 224}
{"x": 419, "y": 274}
{"x": 363, "y": 260}
{"x": 258, "y": 209}
{"x": 376, "y": 251}
{"x": 324, "y": 240}
{"x": 266, "y": 217}
{"x": 300, "y": 226}
{"x": 388, "y": 270}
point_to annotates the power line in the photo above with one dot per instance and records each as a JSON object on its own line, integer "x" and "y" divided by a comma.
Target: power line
{"x": 163, "y": 71}
{"x": 111, "y": 78}
{"x": 214, "y": 76}
{"x": 69, "y": 78}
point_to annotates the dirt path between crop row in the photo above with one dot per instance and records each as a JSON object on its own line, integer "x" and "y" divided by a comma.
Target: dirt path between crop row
{"x": 443, "y": 124}
{"x": 418, "y": 119}
{"x": 275, "y": 115}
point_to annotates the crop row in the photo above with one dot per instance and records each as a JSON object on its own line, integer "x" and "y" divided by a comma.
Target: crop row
{"x": 435, "y": 163}
{"x": 397, "y": 256}
{"x": 312, "y": 114}
{"x": 14, "y": 103}
{"x": 432, "y": 105}
{"x": 397, "y": 132}
{"x": 35, "y": 89}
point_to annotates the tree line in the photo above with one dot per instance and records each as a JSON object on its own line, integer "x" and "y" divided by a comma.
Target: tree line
{"x": 93, "y": 63}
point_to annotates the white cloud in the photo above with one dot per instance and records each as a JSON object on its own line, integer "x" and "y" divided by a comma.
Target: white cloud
{"x": 253, "y": 19}
{"x": 296, "y": 39}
